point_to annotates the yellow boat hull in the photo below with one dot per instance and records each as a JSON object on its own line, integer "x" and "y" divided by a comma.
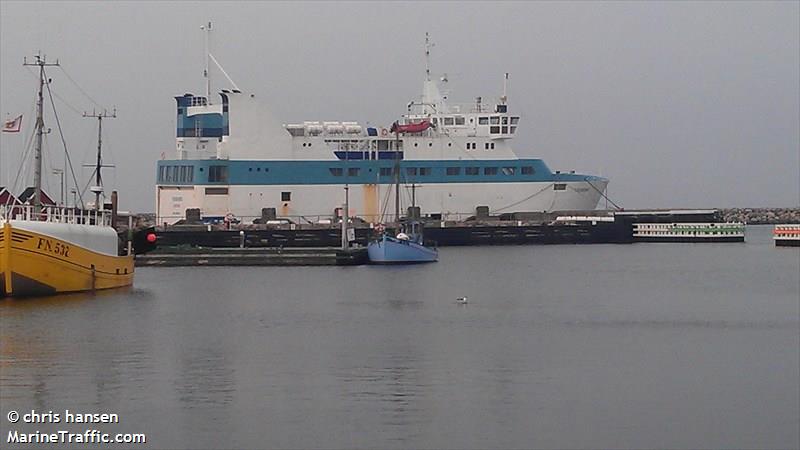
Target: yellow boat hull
{"x": 34, "y": 264}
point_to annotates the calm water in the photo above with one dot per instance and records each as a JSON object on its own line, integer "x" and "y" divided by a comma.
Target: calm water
{"x": 618, "y": 346}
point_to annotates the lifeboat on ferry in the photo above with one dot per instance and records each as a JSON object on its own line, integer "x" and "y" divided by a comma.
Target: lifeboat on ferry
{"x": 418, "y": 127}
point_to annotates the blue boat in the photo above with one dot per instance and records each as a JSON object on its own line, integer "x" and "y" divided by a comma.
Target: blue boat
{"x": 400, "y": 250}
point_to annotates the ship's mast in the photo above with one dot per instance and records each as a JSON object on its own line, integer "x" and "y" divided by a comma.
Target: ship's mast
{"x": 37, "y": 150}
{"x": 206, "y": 72}
{"x": 98, "y": 187}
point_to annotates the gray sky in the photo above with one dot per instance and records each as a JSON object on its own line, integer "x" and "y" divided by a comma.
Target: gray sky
{"x": 680, "y": 104}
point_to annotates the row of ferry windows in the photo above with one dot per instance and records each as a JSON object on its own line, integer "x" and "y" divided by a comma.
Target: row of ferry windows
{"x": 486, "y": 146}
{"x": 427, "y": 171}
{"x": 486, "y": 120}
{"x": 219, "y": 174}
{"x": 176, "y": 174}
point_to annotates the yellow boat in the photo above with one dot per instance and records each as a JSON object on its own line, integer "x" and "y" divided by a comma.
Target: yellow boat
{"x": 62, "y": 252}
{"x": 48, "y": 250}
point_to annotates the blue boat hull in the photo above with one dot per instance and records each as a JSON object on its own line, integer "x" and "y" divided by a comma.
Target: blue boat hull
{"x": 389, "y": 250}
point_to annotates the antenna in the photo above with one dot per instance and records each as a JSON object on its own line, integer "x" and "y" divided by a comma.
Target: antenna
{"x": 504, "y": 98}
{"x": 41, "y": 61}
{"x": 428, "y": 46}
{"x": 98, "y": 187}
{"x": 206, "y": 74}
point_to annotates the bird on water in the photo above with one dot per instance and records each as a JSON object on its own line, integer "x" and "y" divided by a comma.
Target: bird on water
{"x": 462, "y": 300}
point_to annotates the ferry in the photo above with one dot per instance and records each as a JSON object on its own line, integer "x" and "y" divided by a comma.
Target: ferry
{"x": 234, "y": 159}
{"x": 689, "y": 232}
{"x": 787, "y": 235}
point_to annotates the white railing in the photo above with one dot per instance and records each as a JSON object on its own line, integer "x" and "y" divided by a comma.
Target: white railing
{"x": 56, "y": 214}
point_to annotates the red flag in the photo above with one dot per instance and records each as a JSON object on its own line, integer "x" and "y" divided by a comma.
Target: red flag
{"x": 13, "y": 126}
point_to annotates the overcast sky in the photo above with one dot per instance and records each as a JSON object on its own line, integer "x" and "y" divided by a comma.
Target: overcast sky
{"x": 680, "y": 104}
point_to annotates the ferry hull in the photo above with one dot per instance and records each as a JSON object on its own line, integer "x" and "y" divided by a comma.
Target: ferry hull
{"x": 35, "y": 264}
{"x": 787, "y": 243}
{"x": 454, "y": 201}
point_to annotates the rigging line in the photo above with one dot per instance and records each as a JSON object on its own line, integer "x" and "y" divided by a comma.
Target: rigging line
{"x": 67, "y": 104}
{"x": 524, "y": 199}
{"x": 28, "y": 147}
{"x": 63, "y": 141}
{"x": 81, "y": 89}
{"x": 602, "y": 194}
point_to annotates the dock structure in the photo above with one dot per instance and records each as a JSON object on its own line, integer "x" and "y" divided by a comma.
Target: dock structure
{"x": 283, "y": 243}
{"x": 208, "y": 256}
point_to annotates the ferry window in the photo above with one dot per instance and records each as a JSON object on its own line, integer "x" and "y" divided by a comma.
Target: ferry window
{"x": 415, "y": 144}
{"x": 286, "y": 196}
{"x": 435, "y": 121}
{"x": 336, "y": 171}
{"x": 483, "y": 121}
{"x": 448, "y": 120}
{"x": 249, "y": 169}
{"x": 486, "y": 146}
{"x": 527, "y": 170}
{"x": 411, "y": 171}
{"x": 430, "y": 144}
{"x": 353, "y": 171}
{"x": 424, "y": 171}
{"x": 494, "y": 129}
{"x": 505, "y": 120}
{"x": 495, "y": 120}
{"x": 514, "y": 120}
{"x": 383, "y": 145}
{"x": 190, "y": 177}
{"x": 217, "y": 174}
{"x": 560, "y": 187}
{"x": 513, "y": 130}
{"x": 454, "y": 170}
{"x": 385, "y": 171}
{"x": 508, "y": 171}
{"x": 505, "y": 130}
{"x": 490, "y": 170}
{"x": 459, "y": 120}
{"x": 162, "y": 173}
{"x": 216, "y": 191}
{"x": 491, "y": 145}
{"x": 472, "y": 170}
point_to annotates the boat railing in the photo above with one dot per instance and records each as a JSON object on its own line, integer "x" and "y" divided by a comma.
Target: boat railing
{"x": 56, "y": 214}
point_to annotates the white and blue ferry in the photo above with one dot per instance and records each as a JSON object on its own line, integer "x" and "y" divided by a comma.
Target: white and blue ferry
{"x": 233, "y": 157}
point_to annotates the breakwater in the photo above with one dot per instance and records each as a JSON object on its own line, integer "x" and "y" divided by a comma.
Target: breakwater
{"x": 761, "y": 216}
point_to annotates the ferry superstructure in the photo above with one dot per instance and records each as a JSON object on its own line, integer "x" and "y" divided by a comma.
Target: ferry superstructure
{"x": 233, "y": 157}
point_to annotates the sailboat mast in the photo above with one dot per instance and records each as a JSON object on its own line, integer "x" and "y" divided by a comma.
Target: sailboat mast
{"x": 397, "y": 176}
{"x": 37, "y": 150}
